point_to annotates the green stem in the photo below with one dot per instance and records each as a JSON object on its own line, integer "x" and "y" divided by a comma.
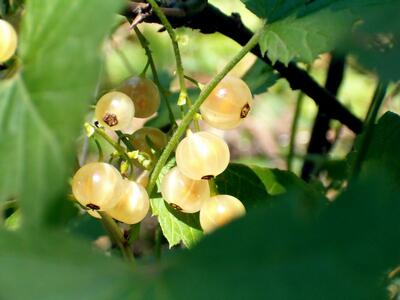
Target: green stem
{"x": 193, "y": 110}
{"x": 295, "y": 125}
{"x": 179, "y": 66}
{"x": 108, "y": 139}
{"x": 376, "y": 103}
{"x": 121, "y": 151}
{"x": 213, "y": 187}
{"x": 145, "y": 45}
{"x": 116, "y": 236}
{"x": 125, "y": 140}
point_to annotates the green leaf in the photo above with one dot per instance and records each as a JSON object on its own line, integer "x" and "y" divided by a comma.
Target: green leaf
{"x": 255, "y": 186}
{"x": 42, "y": 107}
{"x": 51, "y": 265}
{"x": 243, "y": 183}
{"x": 274, "y": 253}
{"x": 273, "y": 10}
{"x": 375, "y": 42}
{"x": 304, "y": 38}
{"x": 384, "y": 147}
{"x": 260, "y": 77}
{"x": 177, "y": 226}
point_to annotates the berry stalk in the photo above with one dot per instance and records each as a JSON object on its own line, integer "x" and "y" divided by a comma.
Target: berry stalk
{"x": 179, "y": 66}
{"x": 117, "y": 236}
{"x": 145, "y": 45}
{"x": 194, "y": 108}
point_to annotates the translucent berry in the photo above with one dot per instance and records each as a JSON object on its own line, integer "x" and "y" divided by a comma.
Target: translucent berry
{"x": 133, "y": 205}
{"x": 97, "y": 186}
{"x": 228, "y": 104}
{"x": 148, "y": 138}
{"x": 8, "y": 41}
{"x": 115, "y": 110}
{"x": 202, "y": 155}
{"x": 144, "y": 178}
{"x": 220, "y": 210}
{"x": 145, "y": 95}
{"x": 183, "y": 193}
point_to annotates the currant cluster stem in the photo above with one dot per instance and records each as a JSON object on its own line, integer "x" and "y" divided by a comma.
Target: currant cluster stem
{"x": 179, "y": 66}
{"x": 145, "y": 45}
{"x": 193, "y": 110}
{"x": 117, "y": 236}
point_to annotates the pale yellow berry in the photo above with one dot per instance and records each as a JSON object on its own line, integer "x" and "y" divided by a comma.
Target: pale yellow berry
{"x": 133, "y": 205}
{"x": 220, "y": 210}
{"x": 202, "y": 155}
{"x": 148, "y": 138}
{"x": 8, "y": 41}
{"x": 144, "y": 178}
{"x": 97, "y": 186}
{"x": 144, "y": 94}
{"x": 183, "y": 193}
{"x": 228, "y": 104}
{"x": 115, "y": 110}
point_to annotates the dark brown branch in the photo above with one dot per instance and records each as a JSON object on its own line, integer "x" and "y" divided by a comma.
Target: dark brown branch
{"x": 319, "y": 144}
{"x": 211, "y": 19}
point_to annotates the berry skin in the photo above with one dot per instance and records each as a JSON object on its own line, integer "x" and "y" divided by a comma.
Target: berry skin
{"x": 147, "y": 138}
{"x": 97, "y": 186}
{"x": 8, "y": 41}
{"x": 220, "y": 210}
{"x": 115, "y": 110}
{"x": 133, "y": 204}
{"x": 228, "y": 104}
{"x": 144, "y": 94}
{"x": 183, "y": 193}
{"x": 202, "y": 155}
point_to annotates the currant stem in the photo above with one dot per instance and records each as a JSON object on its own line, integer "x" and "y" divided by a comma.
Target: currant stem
{"x": 145, "y": 45}
{"x": 117, "y": 236}
{"x": 193, "y": 110}
{"x": 213, "y": 187}
{"x": 179, "y": 66}
{"x": 121, "y": 151}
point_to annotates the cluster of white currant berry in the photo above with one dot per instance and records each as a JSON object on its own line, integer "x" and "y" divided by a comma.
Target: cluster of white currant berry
{"x": 9, "y": 41}
{"x": 201, "y": 156}
{"x": 100, "y": 186}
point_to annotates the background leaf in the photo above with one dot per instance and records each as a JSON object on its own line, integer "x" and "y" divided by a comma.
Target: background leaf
{"x": 243, "y": 183}
{"x": 48, "y": 265}
{"x": 42, "y": 108}
{"x": 260, "y": 77}
{"x": 384, "y": 147}
{"x": 275, "y": 253}
{"x": 304, "y": 38}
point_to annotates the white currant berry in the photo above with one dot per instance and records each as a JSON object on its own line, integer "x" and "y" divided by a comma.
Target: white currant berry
{"x": 183, "y": 193}
{"x": 228, "y": 104}
{"x": 147, "y": 138}
{"x": 144, "y": 94}
{"x": 97, "y": 186}
{"x": 8, "y": 41}
{"x": 133, "y": 205}
{"x": 202, "y": 155}
{"x": 220, "y": 210}
{"x": 144, "y": 178}
{"x": 115, "y": 110}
